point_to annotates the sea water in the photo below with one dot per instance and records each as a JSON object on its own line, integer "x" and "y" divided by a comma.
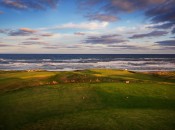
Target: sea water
{"x": 61, "y": 62}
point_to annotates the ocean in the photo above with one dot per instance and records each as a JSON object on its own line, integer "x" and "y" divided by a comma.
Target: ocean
{"x": 62, "y": 62}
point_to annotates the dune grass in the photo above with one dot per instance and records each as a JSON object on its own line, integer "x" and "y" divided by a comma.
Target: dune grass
{"x": 87, "y": 100}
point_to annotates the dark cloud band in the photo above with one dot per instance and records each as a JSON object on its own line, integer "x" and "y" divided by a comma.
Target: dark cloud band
{"x": 104, "y": 39}
{"x": 151, "y": 34}
{"x": 166, "y": 43}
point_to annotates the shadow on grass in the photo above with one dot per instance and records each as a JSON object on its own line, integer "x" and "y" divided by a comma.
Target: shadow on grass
{"x": 134, "y": 102}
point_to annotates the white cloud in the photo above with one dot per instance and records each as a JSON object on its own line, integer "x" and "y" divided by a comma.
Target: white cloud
{"x": 84, "y": 25}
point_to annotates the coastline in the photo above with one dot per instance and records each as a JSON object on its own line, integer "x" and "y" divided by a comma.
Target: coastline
{"x": 64, "y": 70}
{"x": 68, "y": 62}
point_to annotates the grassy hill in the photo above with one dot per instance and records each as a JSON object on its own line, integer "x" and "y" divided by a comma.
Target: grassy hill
{"x": 87, "y": 100}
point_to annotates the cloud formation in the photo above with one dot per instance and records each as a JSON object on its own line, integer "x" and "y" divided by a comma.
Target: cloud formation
{"x": 151, "y": 34}
{"x": 166, "y": 43}
{"x": 79, "y": 33}
{"x": 22, "y": 32}
{"x": 165, "y": 25}
{"x": 4, "y": 30}
{"x": 84, "y": 25}
{"x": 4, "y": 45}
{"x": 25, "y": 32}
{"x": 50, "y": 47}
{"x": 112, "y": 8}
{"x": 14, "y": 4}
{"x": 102, "y": 17}
{"x": 104, "y": 39}
{"x": 34, "y": 43}
{"x": 29, "y": 4}
{"x": 116, "y": 6}
{"x": 33, "y": 38}
{"x": 159, "y": 12}
{"x": 47, "y": 35}
{"x": 163, "y": 12}
{"x": 62, "y": 46}
{"x": 128, "y": 47}
{"x": 173, "y": 31}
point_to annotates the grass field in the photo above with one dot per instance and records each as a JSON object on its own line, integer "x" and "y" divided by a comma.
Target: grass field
{"x": 97, "y": 99}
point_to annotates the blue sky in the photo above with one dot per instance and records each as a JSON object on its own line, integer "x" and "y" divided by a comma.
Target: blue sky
{"x": 87, "y": 26}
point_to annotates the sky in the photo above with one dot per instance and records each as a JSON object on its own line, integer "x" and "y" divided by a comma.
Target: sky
{"x": 87, "y": 26}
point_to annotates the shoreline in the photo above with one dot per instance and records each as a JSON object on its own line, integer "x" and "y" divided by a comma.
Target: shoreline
{"x": 71, "y": 70}
{"x": 138, "y": 63}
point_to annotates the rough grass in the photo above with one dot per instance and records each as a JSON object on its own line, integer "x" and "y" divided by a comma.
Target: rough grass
{"x": 86, "y": 100}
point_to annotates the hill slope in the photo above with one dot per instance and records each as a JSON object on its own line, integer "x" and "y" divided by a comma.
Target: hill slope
{"x": 88, "y": 99}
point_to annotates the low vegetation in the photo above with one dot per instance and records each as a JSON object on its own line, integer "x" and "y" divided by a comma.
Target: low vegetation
{"x": 87, "y": 100}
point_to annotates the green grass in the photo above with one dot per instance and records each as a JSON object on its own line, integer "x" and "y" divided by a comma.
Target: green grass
{"x": 87, "y": 100}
